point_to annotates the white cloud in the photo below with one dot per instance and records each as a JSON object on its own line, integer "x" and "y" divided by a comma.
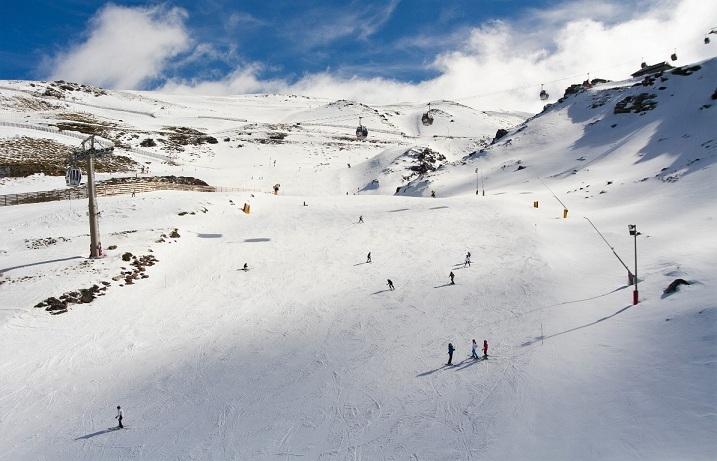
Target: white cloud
{"x": 555, "y": 46}
{"x": 125, "y": 47}
{"x": 241, "y": 81}
{"x": 322, "y": 26}
{"x": 241, "y": 18}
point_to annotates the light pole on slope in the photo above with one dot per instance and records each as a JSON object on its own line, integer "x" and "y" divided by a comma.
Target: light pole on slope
{"x": 482, "y": 182}
{"x": 632, "y": 228}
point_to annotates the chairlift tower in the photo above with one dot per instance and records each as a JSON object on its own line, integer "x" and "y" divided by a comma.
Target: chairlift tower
{"x": 88, "y": 152}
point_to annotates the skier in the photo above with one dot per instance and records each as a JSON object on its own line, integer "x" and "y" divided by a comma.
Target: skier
{"x": 390, "y": 284}
{"x": 119, "y": 417}
{"x": 246, "y": 267}
{"x": 474, "y": 346}
{"x": 485, "y": 348}
{"x": 368, "y": 257}
{"x": 451, "y": 349}
{"x": 360, "y": 219}
{"x": 468, "y": 261}
{"x": 451, "y": 275}
{"x": 433, "y": 194}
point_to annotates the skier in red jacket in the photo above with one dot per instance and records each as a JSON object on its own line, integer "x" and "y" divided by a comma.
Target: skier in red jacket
{"x": 485, "y": 348}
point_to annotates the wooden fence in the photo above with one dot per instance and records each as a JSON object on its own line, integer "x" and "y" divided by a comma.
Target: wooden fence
{"x": 109, "y": 189}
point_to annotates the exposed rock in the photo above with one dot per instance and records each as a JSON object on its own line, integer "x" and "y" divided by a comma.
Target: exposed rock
{"x": 639, "y": 103}
{"x": 499, "y": 134}
{"x": 686, "y": 70}
{"x": 674, "y": 286}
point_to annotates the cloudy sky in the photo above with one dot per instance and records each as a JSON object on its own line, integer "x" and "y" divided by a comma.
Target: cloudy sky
{"x": 487, "y": 53}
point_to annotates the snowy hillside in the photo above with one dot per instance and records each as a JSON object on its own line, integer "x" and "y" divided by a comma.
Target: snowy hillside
{"x": 308, "y": 353}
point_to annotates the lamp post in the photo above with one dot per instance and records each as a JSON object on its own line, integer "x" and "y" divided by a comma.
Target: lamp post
{"x": 482, "y": 182}
{"x": 630, "y": 277}
{"x": 632, "y": 228}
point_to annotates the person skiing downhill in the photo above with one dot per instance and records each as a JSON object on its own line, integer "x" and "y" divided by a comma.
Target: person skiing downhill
{"x": 485, "y": 348}
{"x": 390, "y": 284}
{"x": 119, "y": 417}
{"x": 246, "y": 267}
{"x": 474, "y": 346}
{"x": 368, "y": 257}
{"x": 451, "y": 349}
{"x": 360, "y": 217}
{"x": 468, "y": 260}
{"x": 451, "y": 275}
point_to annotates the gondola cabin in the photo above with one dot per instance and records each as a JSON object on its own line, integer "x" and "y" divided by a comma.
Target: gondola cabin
{"x": 427, "y": 118}
{"x": 361, "y": 131}
{"x": 73, "y": 176}
{"x": 543, "y": 94}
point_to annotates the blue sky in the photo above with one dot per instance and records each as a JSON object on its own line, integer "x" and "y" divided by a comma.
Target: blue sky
{"x": 291, "y": 38}
{"x": 489, "y": 53}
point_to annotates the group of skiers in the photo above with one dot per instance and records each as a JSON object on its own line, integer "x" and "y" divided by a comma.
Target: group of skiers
{"x": 474, "y": 347}
{"x": 467, "y": 263}
{"x": 451, "y": 349}
{"x": 452, "y": 276}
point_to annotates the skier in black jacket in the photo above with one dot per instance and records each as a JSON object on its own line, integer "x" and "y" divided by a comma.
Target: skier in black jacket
{"x": 119, "y": 417}
{"x": 451, "y": 349}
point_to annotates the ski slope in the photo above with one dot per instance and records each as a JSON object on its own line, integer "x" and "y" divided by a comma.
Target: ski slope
{"x": 308, "y": 355}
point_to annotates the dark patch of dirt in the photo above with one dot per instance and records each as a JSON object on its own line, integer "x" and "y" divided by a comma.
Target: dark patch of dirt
{"x": 35, "y": 244}
{"x": 178, "y": 137}
{"x": 25, "y": 156}
{"x": 188, "y": 180}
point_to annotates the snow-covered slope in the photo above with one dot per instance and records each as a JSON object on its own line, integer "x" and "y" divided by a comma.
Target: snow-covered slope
{"x": 308, "y": 354}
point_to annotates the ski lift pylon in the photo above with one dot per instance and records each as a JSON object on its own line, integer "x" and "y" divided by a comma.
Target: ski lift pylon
{"x": 361, "y": 131}
{"x": 586, "y": 83}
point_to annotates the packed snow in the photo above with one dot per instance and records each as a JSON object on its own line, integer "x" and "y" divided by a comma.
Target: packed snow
{"x": 308, "y": 353}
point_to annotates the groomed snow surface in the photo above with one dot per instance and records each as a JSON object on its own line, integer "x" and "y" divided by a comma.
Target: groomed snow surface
{"x": 308, "y": 355}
